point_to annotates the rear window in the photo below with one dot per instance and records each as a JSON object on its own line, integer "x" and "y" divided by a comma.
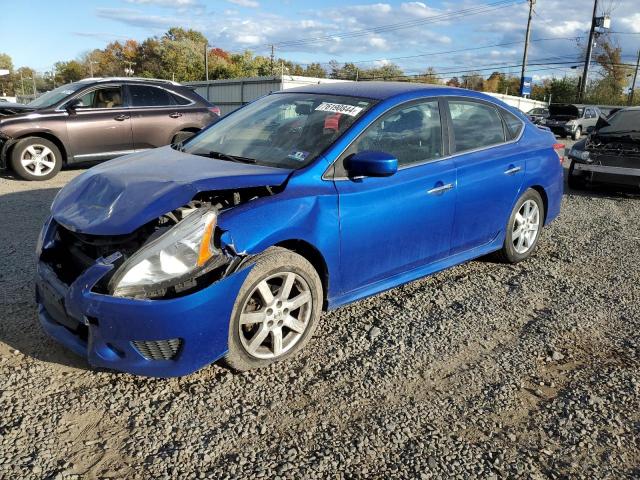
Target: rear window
{"x": 178, "y": 100}
{"x": 514, "y": 125}
{"x": 475, "y": 125}
{"x": 146, "y": 96}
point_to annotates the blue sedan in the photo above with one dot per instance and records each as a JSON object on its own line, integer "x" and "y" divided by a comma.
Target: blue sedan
{"x": 232, "y": 244}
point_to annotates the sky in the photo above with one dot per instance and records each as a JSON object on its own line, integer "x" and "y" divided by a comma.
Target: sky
{"x": 449, "y": 36}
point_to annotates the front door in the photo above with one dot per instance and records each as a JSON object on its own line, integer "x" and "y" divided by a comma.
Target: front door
{"x": 99, "y": 127}
{"x": 394, "y": 224}
{"x": 490, "y": 173}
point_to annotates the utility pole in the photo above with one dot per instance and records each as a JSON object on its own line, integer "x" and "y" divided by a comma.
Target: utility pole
{"x": 526, "y": 43}
{"x": 635, "y": 77}
{"x": 272, "y": 57}
{"x": 206, "y": 61}
{"x": 587, "y": 60}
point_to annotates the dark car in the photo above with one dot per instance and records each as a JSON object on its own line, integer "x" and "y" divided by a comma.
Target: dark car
{"x": 97, "y": 119}
{"x": 306, "y": 199}
{"x": 571, "y": 120}
{"x": 538, "y": 114}
{"x": 610, "y": 154}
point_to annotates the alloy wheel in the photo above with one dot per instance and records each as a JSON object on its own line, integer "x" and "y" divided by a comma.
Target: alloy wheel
{"x": 38, "y": 160}
{"x": 275, "y": 315}
{"x": 526, "y": 226}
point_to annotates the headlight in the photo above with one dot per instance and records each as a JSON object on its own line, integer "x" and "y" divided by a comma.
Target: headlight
{"x": 178, "y": 254}
{"x": 579, "y": 154}
{"x": 571, "y": 123}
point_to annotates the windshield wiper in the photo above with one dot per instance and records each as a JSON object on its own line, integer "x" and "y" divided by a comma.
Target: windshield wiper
{"x": 233, "y": 158}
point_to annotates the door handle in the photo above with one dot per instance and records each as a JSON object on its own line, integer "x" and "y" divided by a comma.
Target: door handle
{"x": 440, "y": 189}
{"x": 512, "y": 170}
{"x": 121, "y": 118}
{"x": 175, "y": 115}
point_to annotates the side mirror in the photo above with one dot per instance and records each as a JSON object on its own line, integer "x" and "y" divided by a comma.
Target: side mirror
{"x": 72, "y": 105}
{"x": 371, "y": 163}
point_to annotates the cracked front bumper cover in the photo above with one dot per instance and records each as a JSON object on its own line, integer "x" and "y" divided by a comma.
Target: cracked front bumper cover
{"x": 101, "y": 328}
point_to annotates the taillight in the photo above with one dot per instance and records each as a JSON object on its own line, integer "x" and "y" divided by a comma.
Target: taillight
{"x": 559, "y": 148}
{"x": 215, "y": 110}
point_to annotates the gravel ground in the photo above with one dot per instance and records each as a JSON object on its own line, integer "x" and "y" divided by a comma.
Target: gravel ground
{"x": 485, "y": 370}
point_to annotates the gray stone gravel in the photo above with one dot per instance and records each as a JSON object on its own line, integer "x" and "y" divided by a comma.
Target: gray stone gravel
{"x": 482, "y": 371}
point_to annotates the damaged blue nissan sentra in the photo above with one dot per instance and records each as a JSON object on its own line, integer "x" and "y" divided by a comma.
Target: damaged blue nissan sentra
{"x": 232, "y": 244}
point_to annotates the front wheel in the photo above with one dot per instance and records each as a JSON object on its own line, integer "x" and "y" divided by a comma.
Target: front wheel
{"x": 276, "y": 310}
{"x": 35, "y": 158}
{"x": 523, "y": 228}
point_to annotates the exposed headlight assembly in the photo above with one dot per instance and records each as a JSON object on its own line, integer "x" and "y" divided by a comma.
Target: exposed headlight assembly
{"x": 183, "y": 252}
{"x": 579, "y": 154}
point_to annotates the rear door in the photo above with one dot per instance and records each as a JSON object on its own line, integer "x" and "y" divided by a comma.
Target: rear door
{"x": 99, "y": 128}
{"x": 490, "y": 171}
{"x": 156, "y": 116}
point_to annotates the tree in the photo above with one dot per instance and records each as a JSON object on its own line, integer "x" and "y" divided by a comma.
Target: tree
{"x": 473, "y": 81}
{"x": 72, "y": 71}
{"x": 315, "y": 70}
{"x": 492, "y": 84}
{"x": 430, "y": 76}
{"x": 453, "y": 82}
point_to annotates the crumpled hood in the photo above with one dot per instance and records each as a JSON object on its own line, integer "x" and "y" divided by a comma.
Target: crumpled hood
{"x": 120, "y": 195}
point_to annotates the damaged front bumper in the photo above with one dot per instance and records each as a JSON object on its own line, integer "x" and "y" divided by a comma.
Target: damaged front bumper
{"x": 5, "y": 143}
{"x": 157, "y": 338}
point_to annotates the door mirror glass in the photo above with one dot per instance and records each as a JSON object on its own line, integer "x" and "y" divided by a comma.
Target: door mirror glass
{"x": 371, "y": 163}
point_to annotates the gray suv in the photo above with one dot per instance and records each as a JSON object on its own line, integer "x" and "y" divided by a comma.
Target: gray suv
{"x": 570, "y": 119}
{"x": 98, "y": 119}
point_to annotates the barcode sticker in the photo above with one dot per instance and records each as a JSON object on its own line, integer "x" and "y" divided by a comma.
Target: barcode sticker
{"x": 350, "y": 110}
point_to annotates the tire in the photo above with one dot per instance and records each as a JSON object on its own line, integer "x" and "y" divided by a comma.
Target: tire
{"x": 255, "y": 321}
{"x": 512, "y": 252}
{"x": 577, "y": 134}
{"x": 35, "y": 158}
{"x": 182, "y": 136}
{"x": 575, "y": 182}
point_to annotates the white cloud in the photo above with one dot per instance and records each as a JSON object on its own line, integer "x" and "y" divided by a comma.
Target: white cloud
{"x": 245, "y": 3}
{"x": 166, "y": 3}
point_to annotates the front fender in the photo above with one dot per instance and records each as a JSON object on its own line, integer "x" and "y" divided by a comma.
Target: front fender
{"x": 313, "y": 217}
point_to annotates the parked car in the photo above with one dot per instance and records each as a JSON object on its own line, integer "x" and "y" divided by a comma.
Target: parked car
{"x": 306, "y": 199}
{"x": 97, "y": 119}
{"x": 610, "y": 154}
{"x": 538, "y": 114}
{"x": 571, "y": 120}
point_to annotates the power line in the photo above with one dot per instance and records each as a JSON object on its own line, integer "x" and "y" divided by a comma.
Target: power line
{"x": 401, "y": 25}
{"x": 469, "y": 49}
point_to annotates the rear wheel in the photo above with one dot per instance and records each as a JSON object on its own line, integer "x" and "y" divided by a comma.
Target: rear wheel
{"x": 276, "y": 311}
{"x": 35, "y": 158}
{"x": 577, "y": 134}
{"x": 523, "y": 228}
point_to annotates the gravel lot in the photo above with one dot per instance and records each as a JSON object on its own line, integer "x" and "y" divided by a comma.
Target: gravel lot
{"x": 485, "y": 370}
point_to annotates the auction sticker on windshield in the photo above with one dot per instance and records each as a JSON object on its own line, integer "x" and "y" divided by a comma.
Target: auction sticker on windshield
{"x": 339, "y": 108}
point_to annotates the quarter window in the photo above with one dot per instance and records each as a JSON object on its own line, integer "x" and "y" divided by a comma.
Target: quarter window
{"x": 514, "y": 125}
{"x": 145, "y": 96}
{"x": 106, "y": 97}
{"x": 475, "y": 125}
{"x": 412, "y": 134}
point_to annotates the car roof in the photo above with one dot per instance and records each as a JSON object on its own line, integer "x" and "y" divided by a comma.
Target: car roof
{"x": 379, "y": 90}
{"x": 128, "y": 79}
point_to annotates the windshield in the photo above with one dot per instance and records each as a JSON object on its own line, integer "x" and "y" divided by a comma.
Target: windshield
{"x": 622, "y": 121}
{"x": 54, "y": 96}
{"x": 287, "y": 130}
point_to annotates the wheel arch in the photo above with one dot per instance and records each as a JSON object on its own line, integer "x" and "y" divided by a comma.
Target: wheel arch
{"x": 314, "y": 257}
{"x": 47, "y": 136}
{"x": 545, "y": 199}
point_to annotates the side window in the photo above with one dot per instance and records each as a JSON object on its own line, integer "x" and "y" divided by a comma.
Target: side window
{"x": 179, "y": 100}
{"x": 107, "y": 97}
{"x": 412, "y": 134}
{"x": 146, "y": 96}
{"x": 475, "y": 125}
{"x": 514, "y": 125}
